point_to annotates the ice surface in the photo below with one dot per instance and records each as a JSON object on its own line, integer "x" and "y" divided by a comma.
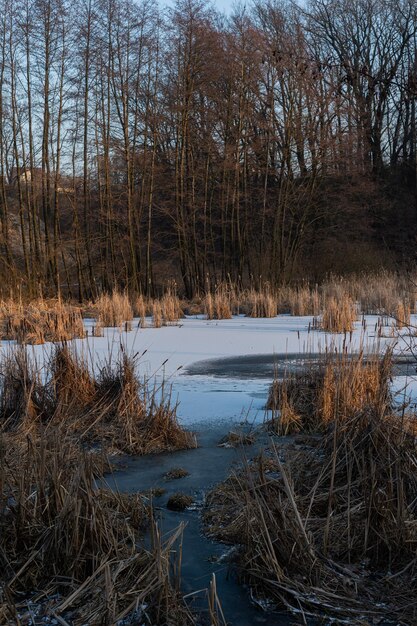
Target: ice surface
{"x": 166, "y": 352}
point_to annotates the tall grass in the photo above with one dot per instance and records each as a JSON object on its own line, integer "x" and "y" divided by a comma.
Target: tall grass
{"x": 171, "y": 307}
{"x": 219, "y": 304}
{"x": 339, "y": 315}
{"x": 140, "y": 309}
{"x": 164, "y": 311}
{"x": 111, "y": 408}
{"x": 329, "y": 521}
{"x": 40, "y": 321}
{"x": 262, "y": 303}
{"x": 80, "y": 545}
{"x": 157, "y": 317}
{"x": 338, "y": 386}
{"x": 300, "y": 301}
{"x": 113, "y": 309}
{"x": 402, "y": 314}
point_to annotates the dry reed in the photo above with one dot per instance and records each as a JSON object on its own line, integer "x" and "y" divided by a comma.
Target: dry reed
{"x": 339, "y": 315}
{"x": 171, "y": 307}
{"x": 301, "y": 301}
{"x": 157, "y": 317}
{"x": 112, "y": 408}
{"x": 219, "y": 304}
{"x": 336, "y": 387}
{"x": 402, "y": 314}
{"x": 79, "y": 544}
{"x": 261, "y": 304}
{"x": 329, "y": 526}
{"x": 113, "y": 309}
{"x": 40, "y": 321}
{"x": 140, "y": 310}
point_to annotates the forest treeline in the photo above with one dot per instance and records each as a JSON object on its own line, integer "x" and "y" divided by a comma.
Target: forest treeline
{"x": 141, "y": 144}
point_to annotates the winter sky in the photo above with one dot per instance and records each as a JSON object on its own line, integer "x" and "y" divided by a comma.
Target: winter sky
{"x": 222, "y": 5}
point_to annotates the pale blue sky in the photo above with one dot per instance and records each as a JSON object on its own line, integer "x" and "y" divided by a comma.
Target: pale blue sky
{"x": 222, "y": 5}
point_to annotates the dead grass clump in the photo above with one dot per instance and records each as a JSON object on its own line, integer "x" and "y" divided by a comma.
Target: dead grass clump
{"x": 40, "y": 321}
{"x": 329, "y": 526}
{"x": 171, "y": 307}
{"x": 165, "y": 311}
{"x": 51, "y": 503}
{"x": 261, "y": 304}
{"x": 339, "y": 315}
{"x": 219, "y": 305}
{"x": 301, "y": 301}
{"x": 132, "y": 417}
{"x": 60, "y": 534}
{"x": 237, "y": 439}
{"x": 70, "y": 386}
{"x": 112, "y": 409}
{"x": 402, "y": 314}
{"x": 179, "y": 502}
{"x": 98, "y": 330}
{"x": 294, "y": 401}
{"x": 140, "y": 310}
{"x": 176, "y": 473}
{"x": 22, "y": 395}
{"x": 195, "y": 307}
{"x": 114, "y": 309}
{"x": 157, "y": 317}
{"x": 380, "y": 292}
{"x": 338, "y": 387}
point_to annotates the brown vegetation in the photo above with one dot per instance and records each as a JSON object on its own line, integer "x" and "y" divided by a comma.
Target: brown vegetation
{"x": 57, "y": 425}
{"x": 237, "y": 439}
{"x": 328, "y": 524}
{"x": 339, "y": 315}
{"x": 262, "y": 304}
{"x": 84, "y": 572}
{"x": 179, "y": 502}
{"x": 303, "y": 300}
{"x": 218, "y": 305}
{"x": 171, "y": 307}
{"x": 338, "y": 386}
{"x": 176, "y": 473}
{"x": 335, "y": 304}
{"x": 40, "y": 321}
{"x": 113, "y": 309}
{"x": 402, "y": 315}
{"x": 111, "y": 408}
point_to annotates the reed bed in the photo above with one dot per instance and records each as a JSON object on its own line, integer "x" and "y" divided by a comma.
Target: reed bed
{"x": 157, "y": 317}
{"x": 113, "y": 309}
{"x": 218, "y": 305}
{"x": 337, "y": 386}
{"x": 40, "y": 321}
{"x": 140, "y": 309}
{"x": 339, "y": 315}
{"x": 379, "y": 293}
{"x": 171, "y": 308}
{"x": 73, "y": 551}
{"x": 112, "y": 408}
{"x": 300, "y": 301}
{"x": 328, "y": 528}
{"x": 402, "y": 314}
{"x": 261, "y": 304}
{"x": 338, "y": 301}
{"x": 164, "y": 311}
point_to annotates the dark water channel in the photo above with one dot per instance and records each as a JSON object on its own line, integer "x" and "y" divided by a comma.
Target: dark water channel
{"x": 208, "y": 465}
